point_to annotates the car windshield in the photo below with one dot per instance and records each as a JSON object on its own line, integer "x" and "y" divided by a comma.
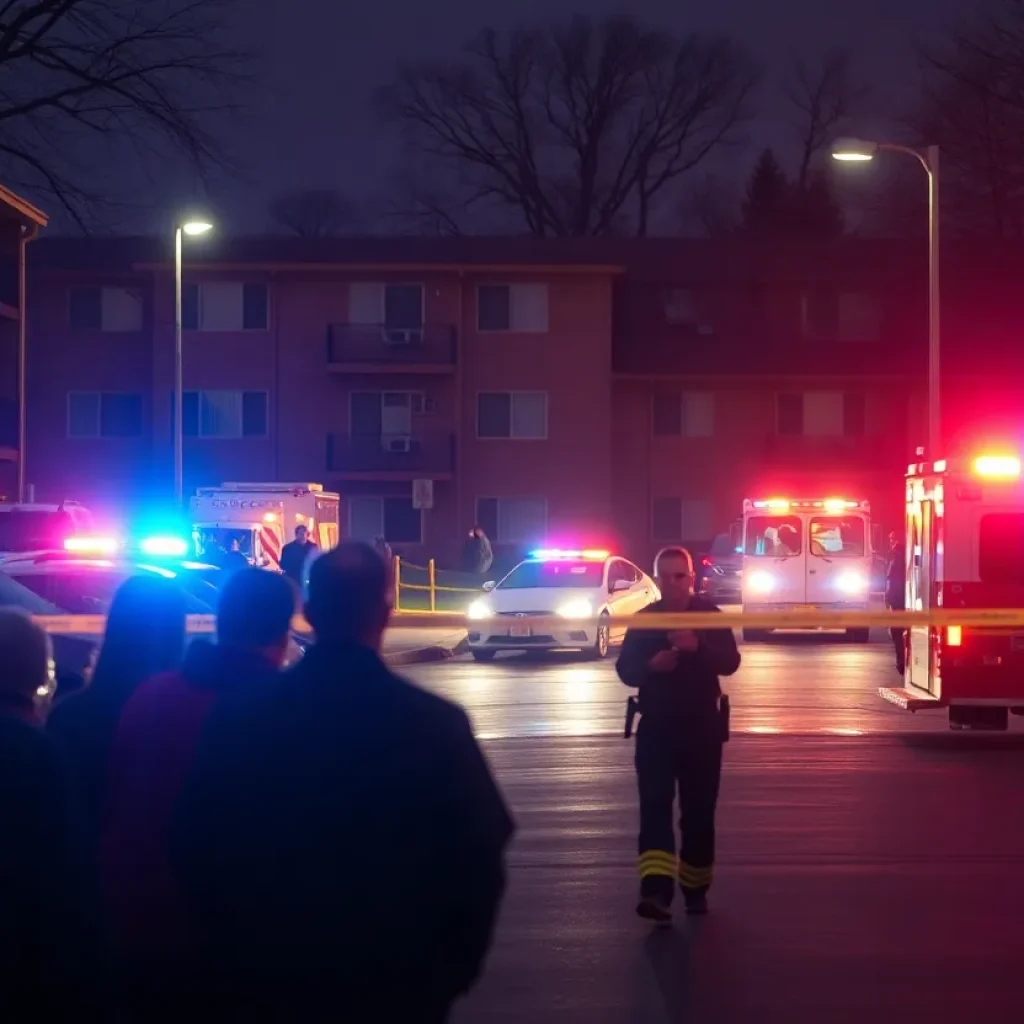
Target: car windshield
{"x": 34, "y": 530}
{"x": 723, "y": 545}
{"x": 529, "y": 575}
{"x": 90, "y": 592}
{"x": 14, "y": 594}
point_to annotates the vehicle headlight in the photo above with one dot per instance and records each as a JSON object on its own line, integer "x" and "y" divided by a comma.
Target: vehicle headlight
{"x": 580, "y": 608}
{"x": 760, "y": 582}
{"x": 479, "y": 610}
{"x": 852, "y": 583}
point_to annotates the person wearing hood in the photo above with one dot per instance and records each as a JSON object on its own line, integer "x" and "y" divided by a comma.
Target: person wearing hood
{"x": 153, "y": 754}
{"x": 51, "y": 939}
{"x": 145, "y": 635}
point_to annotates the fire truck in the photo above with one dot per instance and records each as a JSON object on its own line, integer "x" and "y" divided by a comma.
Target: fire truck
{"x": 262, "y": 518}
{"x": 965, "y": 549}
{"x": 812, "y": 553}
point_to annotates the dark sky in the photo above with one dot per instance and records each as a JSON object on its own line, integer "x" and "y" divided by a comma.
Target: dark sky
{"x": 320, "y": 60}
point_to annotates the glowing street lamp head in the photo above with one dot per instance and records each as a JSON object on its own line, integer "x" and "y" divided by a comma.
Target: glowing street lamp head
{"x": 855, "y": 151}
{"x": 196, "y": 227}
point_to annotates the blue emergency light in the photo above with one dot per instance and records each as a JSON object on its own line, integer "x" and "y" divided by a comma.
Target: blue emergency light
{"x": 164, "y": 547}
{"x": 558, "y": 554}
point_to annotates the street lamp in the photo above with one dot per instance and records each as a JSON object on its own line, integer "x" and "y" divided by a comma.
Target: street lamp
{"x": 191, "y": 227}
{"x": 860, "y": 151}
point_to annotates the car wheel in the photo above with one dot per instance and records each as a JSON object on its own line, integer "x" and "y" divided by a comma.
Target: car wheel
{"x": 602, "y": 642}
{"x": 858, "y": 636}
{"x": 483, "y": 655}
{"x": 753, "y": 636}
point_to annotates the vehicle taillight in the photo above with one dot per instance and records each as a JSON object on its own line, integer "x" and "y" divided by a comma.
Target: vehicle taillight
{"x": 954, "y": 636}
{"x": 706, "y": 562}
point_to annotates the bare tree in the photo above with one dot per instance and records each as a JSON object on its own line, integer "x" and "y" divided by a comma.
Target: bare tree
{"x": 711, "y": 206}
{"x": 576, "y": 128}
{"x": 314, "y": 213}
{"x": 823, "y": 96}
{"x": 77, "y": 73}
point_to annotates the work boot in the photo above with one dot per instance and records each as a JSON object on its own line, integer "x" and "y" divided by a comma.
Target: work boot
{"x": 655, "y": 910}
{"x": 696, "y": 902}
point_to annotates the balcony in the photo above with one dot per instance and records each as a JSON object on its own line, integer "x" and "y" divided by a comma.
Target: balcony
{"x": 380, "y": 456}
{"x": 835, "y": 453}
{"x": 374, "y": 348}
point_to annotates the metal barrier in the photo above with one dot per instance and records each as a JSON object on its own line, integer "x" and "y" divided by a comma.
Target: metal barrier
{"x": 430, "y": 588}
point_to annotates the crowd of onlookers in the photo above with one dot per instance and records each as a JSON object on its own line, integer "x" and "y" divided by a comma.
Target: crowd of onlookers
{"x": 201, "y": 832}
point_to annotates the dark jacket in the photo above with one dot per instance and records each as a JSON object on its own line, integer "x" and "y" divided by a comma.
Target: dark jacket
{"x": 293, "y": 559}
{"x": 152, "y": 756}
{"x": 895, "y": 578}
{"x": 51, "y": 941}
{"x": 342, "y": 840}
{"x": 688, "y": 696}
{"x": 477, "y": 555}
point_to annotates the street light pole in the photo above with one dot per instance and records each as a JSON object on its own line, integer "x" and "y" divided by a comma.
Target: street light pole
{"x": 179, "y": 455}
{"x": 859, "y": 151}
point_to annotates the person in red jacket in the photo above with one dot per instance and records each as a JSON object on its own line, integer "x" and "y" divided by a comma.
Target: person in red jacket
{"x": 152, "y": 756}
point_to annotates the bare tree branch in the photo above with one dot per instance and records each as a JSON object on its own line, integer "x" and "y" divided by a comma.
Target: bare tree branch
{"x": 823, "y": 97}
{"x": 577, "y": 128}
{"x": 314, "y": 213}
{"x": 77, "y": 73}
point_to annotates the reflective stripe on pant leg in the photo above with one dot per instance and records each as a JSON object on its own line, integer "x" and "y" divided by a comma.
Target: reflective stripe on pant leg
{"x": 699, "y": 768}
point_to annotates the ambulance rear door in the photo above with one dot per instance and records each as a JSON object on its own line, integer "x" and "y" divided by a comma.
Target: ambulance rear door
{"x": 838, "y": 557}
{"x": 774, "y": 557}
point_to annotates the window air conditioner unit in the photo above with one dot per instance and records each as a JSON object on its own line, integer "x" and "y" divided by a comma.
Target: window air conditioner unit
{"x": 401, "y": 445}
{"x": 402, "y": 336}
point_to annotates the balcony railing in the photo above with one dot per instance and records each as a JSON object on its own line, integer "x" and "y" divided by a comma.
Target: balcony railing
{"x": 426, "y": 345}
{"x": 391, "y": 453}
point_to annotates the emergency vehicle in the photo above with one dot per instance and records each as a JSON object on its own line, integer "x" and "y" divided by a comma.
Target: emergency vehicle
{"x": 965, "y": 549}
{"x": 808, "y": 554}
{"x": 262, "y": 518}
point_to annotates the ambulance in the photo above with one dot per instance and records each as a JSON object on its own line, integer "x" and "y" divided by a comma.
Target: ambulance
{"x": 261, "y": 518}
{"x": 965, "y": 550}
{"x": 806, "y": 554}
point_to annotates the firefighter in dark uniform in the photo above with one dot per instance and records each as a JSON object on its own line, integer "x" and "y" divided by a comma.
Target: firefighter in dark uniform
{"x": 684, "y": 722}
{"x": 895, "y": 595}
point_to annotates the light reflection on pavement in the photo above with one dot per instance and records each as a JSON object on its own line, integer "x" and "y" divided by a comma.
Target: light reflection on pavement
{"x": 795, "y": 684}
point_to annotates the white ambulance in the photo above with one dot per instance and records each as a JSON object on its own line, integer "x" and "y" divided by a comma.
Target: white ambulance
{"x": 813, "y": 553}
{"x": 259, "y": 519}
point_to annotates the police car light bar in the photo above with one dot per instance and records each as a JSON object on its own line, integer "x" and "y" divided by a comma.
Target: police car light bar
{"x": 1002, "y": 467}
{"x": 556, "y": 554}
{"x": 91, "y": 545}
{"x": 168, "y": 547}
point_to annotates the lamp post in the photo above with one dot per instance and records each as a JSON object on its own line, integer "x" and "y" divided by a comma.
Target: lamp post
{"x": 190, "y": 227}
{"x": 860, "y": 151}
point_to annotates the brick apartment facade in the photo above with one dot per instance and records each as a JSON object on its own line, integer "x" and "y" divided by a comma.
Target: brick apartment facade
{"x": 570, "y": 391}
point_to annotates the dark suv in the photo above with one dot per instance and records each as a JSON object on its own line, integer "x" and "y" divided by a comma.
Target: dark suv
{"x": 720, "y": 571}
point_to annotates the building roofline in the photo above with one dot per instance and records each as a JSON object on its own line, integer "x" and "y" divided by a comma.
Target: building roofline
{"x": 30, "y": 214}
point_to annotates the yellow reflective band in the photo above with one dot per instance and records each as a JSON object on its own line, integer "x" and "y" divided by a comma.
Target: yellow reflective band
{"x": 662, "y": 856}
{"x": 659, "y": 870}
{"x": 657, "y": 862}
{"x": 694, "y": 877}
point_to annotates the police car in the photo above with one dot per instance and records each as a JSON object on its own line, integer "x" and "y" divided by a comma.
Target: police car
{"x": 593, "y": 591}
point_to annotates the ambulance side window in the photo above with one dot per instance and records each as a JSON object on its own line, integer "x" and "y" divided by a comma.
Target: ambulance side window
{"x": 1001, "y": 548}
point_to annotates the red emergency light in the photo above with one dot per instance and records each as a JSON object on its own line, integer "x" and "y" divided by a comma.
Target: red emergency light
{"x": 997, "y": 467}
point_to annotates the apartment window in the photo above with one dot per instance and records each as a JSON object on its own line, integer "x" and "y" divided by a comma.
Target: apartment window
{"x": 677, "y": 520}
{"x": 107, "y": 414}
{"x": 687, "y": 414}
{"x": 521, "y": 415}
{"x": 821, "y": 414}
{"x": 512, "y": 307}
{"x": 114, "y": 310}
{"x": 845, "y": 316}
{"x": 513, "y": 520}
{"x": 381, "y": 413}
{"x": 392, "y": 518}
{"x": 225, "y": 306}
{"x": 224, "y": 415}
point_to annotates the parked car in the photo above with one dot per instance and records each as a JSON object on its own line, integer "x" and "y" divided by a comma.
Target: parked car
{"x": 720, "y": 571}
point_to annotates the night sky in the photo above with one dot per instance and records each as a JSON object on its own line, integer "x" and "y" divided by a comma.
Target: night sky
{"x": 310, "y": 123}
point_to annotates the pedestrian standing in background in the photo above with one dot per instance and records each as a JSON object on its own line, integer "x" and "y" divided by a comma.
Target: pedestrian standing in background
{"x": 153, "y": 752}
{"x": 477, "y": 554}
{"x": 51, "y": 940}
{"x": 896, "y": 595}
{"x": 295, "y": 554}
{"x": 347, "y": 805}
{"x": 679, "y": 740}
{"x": 145, "y": 635}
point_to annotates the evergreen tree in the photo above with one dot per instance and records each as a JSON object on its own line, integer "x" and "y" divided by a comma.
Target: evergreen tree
{"x": 766, "y": 205}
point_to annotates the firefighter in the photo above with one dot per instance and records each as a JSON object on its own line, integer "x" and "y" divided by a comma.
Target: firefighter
{"x": 684, "y": 721}
{"x": 895, "y": 595}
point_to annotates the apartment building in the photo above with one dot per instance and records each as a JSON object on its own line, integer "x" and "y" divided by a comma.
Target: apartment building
{"x": 631, "y": 393}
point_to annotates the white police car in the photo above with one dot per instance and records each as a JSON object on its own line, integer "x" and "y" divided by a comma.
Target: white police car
{"x": 593, "y": 591}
